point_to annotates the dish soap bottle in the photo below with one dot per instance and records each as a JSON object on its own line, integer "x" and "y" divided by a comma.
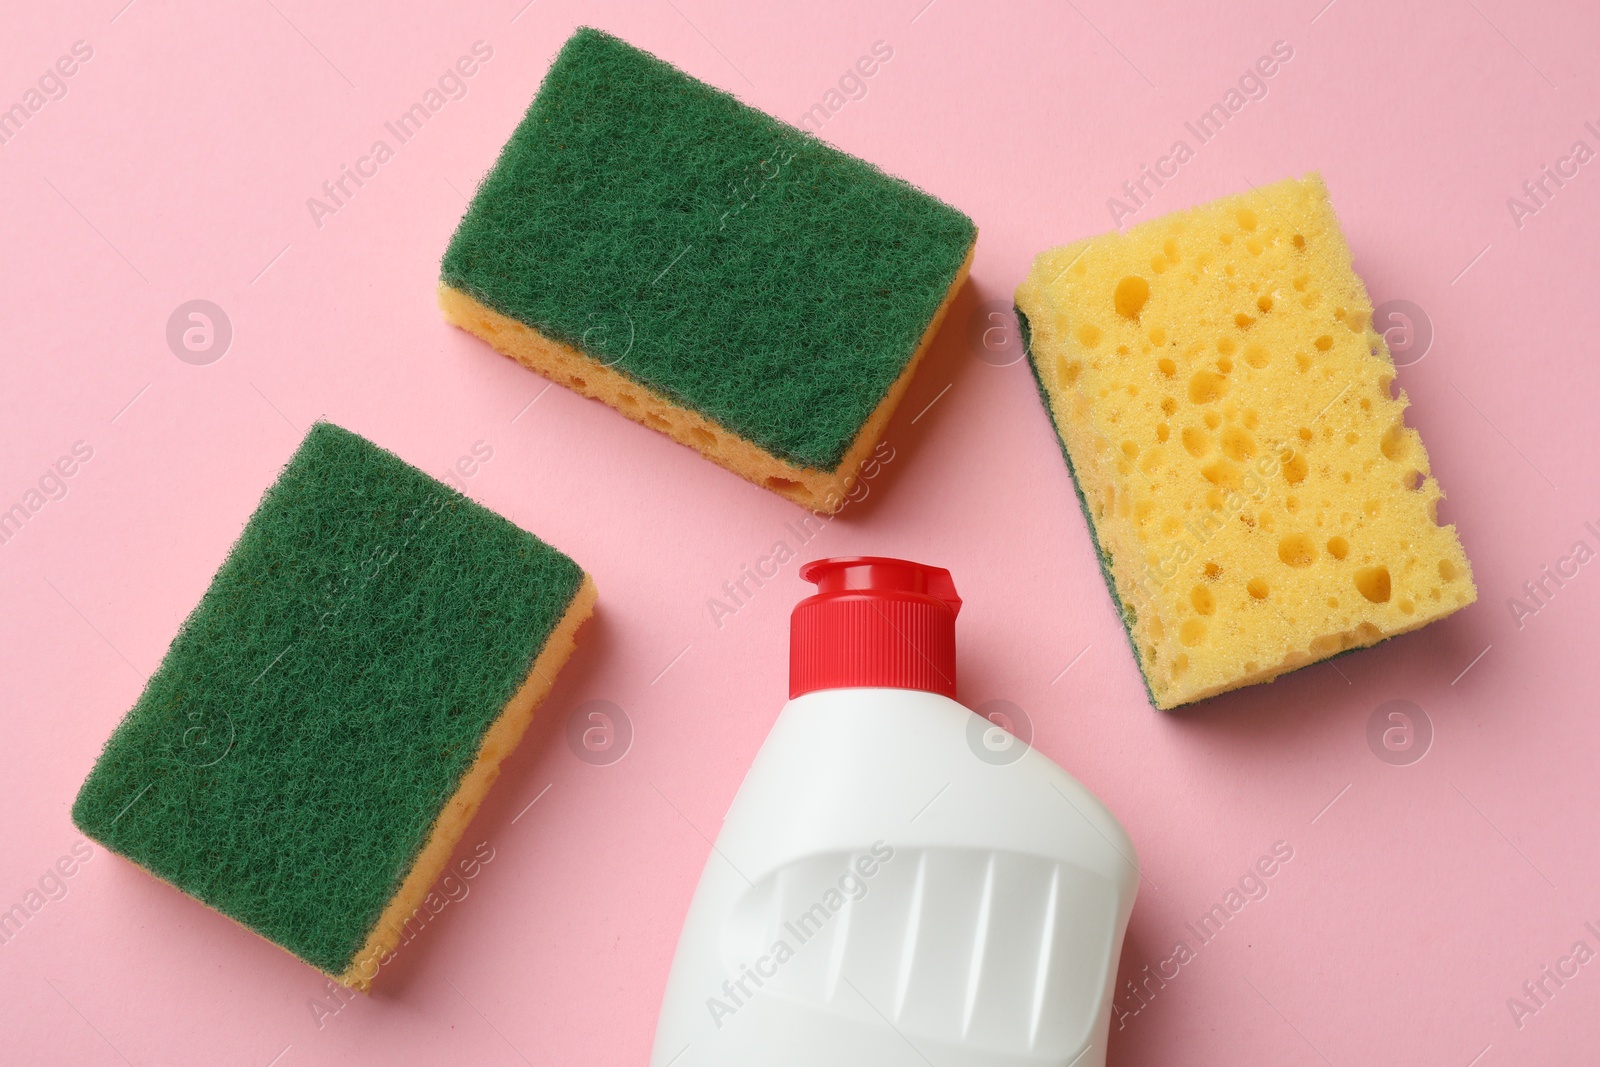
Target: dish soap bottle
{"x": 897, "y": 882}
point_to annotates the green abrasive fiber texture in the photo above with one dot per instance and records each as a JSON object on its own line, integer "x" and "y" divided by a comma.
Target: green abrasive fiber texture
{"x": 314, "y": 713}
{"x": 733, "y": 263}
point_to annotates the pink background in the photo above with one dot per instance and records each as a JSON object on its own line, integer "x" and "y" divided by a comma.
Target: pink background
{"x": 178, "y": 167}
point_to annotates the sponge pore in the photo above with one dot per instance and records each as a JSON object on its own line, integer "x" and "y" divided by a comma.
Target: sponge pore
{"x": 1225, "y": 408}
{"x": 709, "y": 271}
{"x": 328, "y": 718}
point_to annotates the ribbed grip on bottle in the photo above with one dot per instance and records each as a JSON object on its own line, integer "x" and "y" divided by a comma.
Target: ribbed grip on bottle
{"x": 874, "y": 622}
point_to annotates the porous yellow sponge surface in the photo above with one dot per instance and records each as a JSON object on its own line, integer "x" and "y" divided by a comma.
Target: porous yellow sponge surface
{"x": 1225, "y": 407}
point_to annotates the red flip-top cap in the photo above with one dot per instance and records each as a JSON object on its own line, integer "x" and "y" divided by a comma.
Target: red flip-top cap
{"x": 874, "y": 622}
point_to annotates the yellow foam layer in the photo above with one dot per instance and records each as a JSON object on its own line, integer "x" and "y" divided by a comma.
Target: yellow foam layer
{"x": 498, "y": 743}
{"x": 823, "y": 491}
{"x": 1256, "y": 496}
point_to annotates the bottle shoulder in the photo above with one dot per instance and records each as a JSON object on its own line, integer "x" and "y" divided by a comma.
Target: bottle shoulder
{"x": 843, "y": 768}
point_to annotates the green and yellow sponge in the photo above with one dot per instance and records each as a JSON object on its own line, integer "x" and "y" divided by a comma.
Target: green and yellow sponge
{"x": 328, "y": 719}
{"x": 705, "y": 269}
{"x": 1225, "y": 407}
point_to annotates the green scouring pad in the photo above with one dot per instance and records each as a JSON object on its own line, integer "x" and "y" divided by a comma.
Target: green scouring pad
{"x": 705, "y": 269}
{"x": 329, "y": 717}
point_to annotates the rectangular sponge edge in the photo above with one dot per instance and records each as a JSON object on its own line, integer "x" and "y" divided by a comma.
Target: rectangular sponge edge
{"x": 1226, "y": 411}
{"x": 330, "y": 716}
{"x": 705, "y": 269}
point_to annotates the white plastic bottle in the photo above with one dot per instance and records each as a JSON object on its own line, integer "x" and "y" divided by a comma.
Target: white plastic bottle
{"x": 897, "y": 881}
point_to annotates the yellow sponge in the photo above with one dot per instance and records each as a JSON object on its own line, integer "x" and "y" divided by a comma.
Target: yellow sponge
{"x": 1225, "y": 408}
